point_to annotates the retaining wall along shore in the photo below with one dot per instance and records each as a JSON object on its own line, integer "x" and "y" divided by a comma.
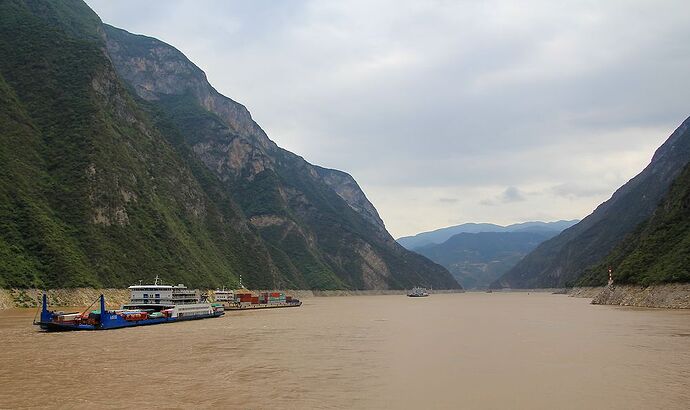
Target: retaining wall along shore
{"x": 18, "y": 298}
{"x": 11, "y": 298}
{"x": 672, "y": 295}
{"x": 668, "y": 295}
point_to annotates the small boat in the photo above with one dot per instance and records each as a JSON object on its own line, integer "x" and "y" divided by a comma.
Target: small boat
{"x": 418, "y": 292}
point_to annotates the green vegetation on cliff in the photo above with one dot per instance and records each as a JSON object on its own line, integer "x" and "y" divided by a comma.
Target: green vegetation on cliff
{"x": 477, "y": 259}
{"x": 90, "y": 193}
{"x": 315, "y": 238}
{"x": 659, "y": 249}
{"x": 103, "y": 185}
{"x": 563, "y": 260}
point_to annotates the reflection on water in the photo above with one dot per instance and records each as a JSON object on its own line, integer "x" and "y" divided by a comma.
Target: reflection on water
{"x": 472, "y": 350}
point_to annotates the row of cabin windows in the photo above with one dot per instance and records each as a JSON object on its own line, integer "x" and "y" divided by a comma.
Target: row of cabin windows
{"x": 146, "y": 296}
{"x": 152, "y": 289}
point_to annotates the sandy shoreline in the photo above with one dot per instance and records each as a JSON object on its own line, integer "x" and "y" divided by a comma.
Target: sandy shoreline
{"x": 27, "y": 298}
{"x": 668, "y": 296}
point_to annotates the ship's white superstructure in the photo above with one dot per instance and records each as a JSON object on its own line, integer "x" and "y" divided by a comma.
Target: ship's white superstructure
{"x": 418, "y": 292}
{"x": 222, "y": 295}
{"x": 175, "y": 300}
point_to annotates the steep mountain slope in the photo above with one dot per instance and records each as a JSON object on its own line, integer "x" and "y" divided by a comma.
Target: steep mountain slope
{"x": 319, "y": 226}
{"x": 91, "y": 193}
{"x": 108, "y": 178}
{"x": 659, "y": 250}
{"x": 441, "y": 235}
{"x": 562, "y": 260}
{"x": 477, "y": 259}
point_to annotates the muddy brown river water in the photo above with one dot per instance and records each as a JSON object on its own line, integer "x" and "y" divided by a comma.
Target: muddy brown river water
{"x": 473, "y": 350}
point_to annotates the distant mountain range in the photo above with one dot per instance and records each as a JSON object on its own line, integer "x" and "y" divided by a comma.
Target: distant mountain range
{"x": 478, "y": 259}
{"x": 441, "y": 235}
{"x": 477, "y": 254}
{"x": 642, "y": 232}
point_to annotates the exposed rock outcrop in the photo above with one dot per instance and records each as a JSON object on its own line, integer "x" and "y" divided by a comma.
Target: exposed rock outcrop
{"x": 317, "y": 221}
{"x": 670, "y": 295}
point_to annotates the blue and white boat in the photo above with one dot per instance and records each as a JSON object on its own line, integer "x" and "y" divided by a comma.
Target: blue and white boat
{"x": 149, "y": 305}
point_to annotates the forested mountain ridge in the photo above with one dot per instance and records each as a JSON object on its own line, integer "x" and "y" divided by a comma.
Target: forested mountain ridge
{"x": 563, "y": 260}
{"x": 109, "y": 178}
{"x": 658, "y": 251}
{"x": 477, "y": 259}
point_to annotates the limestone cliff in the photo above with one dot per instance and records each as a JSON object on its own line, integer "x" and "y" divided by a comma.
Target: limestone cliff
{"x": 120, "y": 162}
{"x": 320, "y": 228}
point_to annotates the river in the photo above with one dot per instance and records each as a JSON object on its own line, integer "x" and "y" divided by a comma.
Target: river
{"x": 472, "y": 350}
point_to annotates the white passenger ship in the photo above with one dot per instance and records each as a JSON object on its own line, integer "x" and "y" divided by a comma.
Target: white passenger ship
{"x": 224, "y": 296}
{"x": 149, "y": 305}
{"x": 418, "y": 292}
{"x": 175, "y": 300}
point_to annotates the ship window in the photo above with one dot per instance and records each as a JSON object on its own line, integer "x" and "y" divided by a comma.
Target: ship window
{"x": 158, "y": 295}
{"x": 146, "y": 295}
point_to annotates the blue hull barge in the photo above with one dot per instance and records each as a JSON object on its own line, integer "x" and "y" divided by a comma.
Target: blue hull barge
{"x": 149, "y": 305}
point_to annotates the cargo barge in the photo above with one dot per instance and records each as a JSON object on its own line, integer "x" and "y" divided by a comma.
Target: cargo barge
{"x": 149, "y": 305}
{"x": 243, "y": 299}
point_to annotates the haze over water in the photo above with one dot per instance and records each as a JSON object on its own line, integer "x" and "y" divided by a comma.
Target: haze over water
{"x": 473, "y": 350}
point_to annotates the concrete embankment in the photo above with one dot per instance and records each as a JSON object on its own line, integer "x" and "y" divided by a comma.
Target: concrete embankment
{"x": 585, "y": 292}
{"x": 671, "y": 295}
{"x": 25, "y": 298}
{"x": 11, "y": 298}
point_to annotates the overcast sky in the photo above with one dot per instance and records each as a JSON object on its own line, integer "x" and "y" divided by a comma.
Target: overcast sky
{"x": 447, "y": 111}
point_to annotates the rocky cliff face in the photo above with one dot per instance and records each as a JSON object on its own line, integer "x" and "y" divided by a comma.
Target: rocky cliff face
{"x": 157, "y": 70}
{"x": 177, "y": 155}
{"x": 120, "y": 162}
{"x": 348, "y": 189}
{"x": 321, "y": 229}
{"x": 562, "y": 260}
{"x": 91, "y": 191}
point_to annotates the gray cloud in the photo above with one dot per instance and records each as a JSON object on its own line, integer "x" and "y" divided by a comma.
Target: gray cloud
{"x": 421, "y": 100}
{"x": 510, "y": 195}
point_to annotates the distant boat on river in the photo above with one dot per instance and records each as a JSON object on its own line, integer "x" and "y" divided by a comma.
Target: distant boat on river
{"x": 418, "y": 292}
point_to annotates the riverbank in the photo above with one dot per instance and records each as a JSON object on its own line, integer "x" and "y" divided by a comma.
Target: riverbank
{"x": 671, "y": 296}
{"x": 585, "y": 292}
{"x": 28, "y": 298}
{"x": 668, "y": 296}
{"x": 330, "y": 293}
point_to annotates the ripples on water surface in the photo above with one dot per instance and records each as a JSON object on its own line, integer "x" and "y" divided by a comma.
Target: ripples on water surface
{"x": 471, "y": 350}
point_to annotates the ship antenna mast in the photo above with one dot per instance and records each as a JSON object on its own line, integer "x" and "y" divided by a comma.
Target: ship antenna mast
{"x": 155, "y": 281}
